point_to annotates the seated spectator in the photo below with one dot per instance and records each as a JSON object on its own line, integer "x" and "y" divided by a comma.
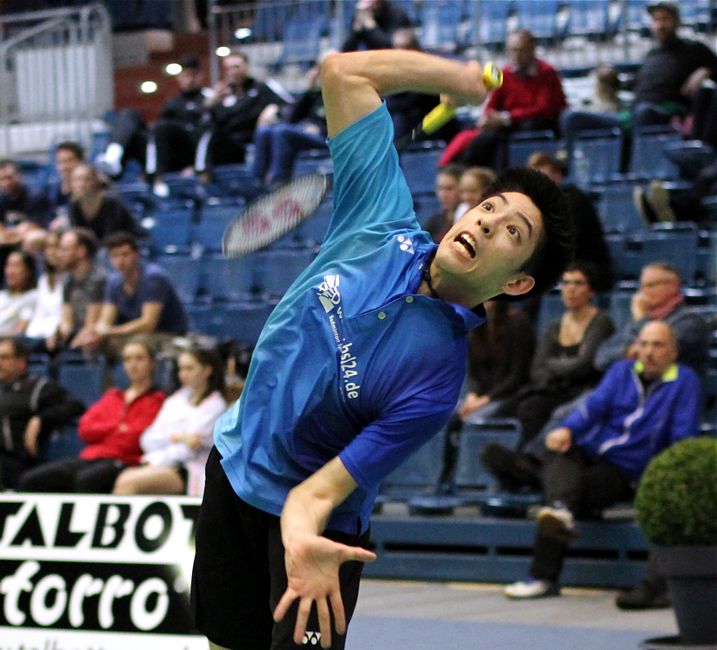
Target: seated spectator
{"x": 563, "y": 364}
{"x": 139, "y": 299}
{"x": 18, "y": 299}
{"x": 531, "y": 97}
{"x": 238, "y": 105}
{"x": 499, "y": 356}
{"x": 31, "y": 407}
{"x": 45, "y": 321}
{"x": 94, "y": 208}
{"x": 171, "y": 143}
{"x": 659, "y": 297}
{"x": 20, "y": 209}
{"x": 276, "y": 146}
{"x": 111, "y": 428}
{"x": 590, "y": 245}
{"x": 84, "y": 287}
{"x": 408, "y": 108}
{"x": 666, "y": 82}
{"x": 373, "y": 24}
{"x": 599, "y": 452}
{"x": 68, "y": 155}
{"x": 472, "y": 186}
{"x": 177, "y": 444}
{"x": 448, "y": 194}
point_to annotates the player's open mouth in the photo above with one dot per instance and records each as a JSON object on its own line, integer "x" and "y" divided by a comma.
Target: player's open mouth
{"x": 466, "y": 245}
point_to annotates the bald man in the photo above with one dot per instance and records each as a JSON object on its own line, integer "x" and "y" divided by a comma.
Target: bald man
{"x": 640, "y": 407}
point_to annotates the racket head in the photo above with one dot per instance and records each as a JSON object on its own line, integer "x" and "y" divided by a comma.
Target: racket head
{"x": 271, "y": 216}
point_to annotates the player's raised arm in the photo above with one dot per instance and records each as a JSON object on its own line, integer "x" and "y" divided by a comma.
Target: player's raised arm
{"x": 354, "y": 82}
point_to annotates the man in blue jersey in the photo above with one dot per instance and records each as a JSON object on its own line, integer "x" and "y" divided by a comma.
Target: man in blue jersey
{"x": 359, "y": 364}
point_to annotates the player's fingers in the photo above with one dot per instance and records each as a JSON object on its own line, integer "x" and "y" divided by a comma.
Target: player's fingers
{"x": 302, "y": 616}
{"x": 322, "y": 608}
{"x": 337, "y": 606}
{"x": 358, "y": 554}
{"x": 284, "y": 604}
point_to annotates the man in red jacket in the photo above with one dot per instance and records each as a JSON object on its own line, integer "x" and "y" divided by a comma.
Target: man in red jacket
{"x": 531, "y": 97}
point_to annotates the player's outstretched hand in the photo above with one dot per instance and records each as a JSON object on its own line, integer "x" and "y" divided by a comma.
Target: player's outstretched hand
{"x": 312, "y": 569}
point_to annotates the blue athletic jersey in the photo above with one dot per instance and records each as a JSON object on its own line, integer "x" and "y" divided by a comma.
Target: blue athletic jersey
{"x": 352, "y": 362}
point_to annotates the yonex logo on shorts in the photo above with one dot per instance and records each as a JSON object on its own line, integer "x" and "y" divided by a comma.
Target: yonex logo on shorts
{"x": 311, "y": 638}
{"x": 406, "y": 244}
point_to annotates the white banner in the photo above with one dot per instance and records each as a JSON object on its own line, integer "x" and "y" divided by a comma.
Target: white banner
{"x": 81, "y": 572}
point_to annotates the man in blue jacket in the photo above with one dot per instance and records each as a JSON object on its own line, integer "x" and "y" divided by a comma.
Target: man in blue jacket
{"x": 359, "y": 364}
{"x": 600, "y": 450}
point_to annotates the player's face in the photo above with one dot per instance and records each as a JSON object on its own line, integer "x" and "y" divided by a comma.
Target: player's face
{"x": 481, "y": 255}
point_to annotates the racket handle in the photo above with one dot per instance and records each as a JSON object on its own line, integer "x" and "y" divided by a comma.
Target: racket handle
{"x": 492, "y": 78}
{"x": 437, "y": 118}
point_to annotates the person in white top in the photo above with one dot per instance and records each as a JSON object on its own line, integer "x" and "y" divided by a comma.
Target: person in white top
{"x": 48, "y": 308}
{"x": 176, "y": 445}
{"x": 17, "y": 300}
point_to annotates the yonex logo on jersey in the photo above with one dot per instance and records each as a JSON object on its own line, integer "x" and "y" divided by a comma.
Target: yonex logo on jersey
{"x": 311, "y": 638}
{"x": 405, "y": 244}
{"x": 328, "y": 290}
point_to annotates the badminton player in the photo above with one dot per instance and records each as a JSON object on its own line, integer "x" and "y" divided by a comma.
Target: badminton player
{"x": 359, "y": 364}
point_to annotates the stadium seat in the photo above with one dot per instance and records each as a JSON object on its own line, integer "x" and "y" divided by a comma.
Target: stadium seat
{"x": 492, "y": 18}
{"x": 707, "y": 257}
{"x": 420, "y": 167}
{"x": 83, "y": 378}
{"x": 213, "y": 221}
{"x": 185, "y": 273}
{"x": 62, "y": 443}
{"x": 282, "y": 267}
{"x": 302, "y": 33}
{"x": 620, "y": 301}
{"x": 649, "y": 160}
{"x": 231, "y": 280}
{"x": 616, "y": 209}
{"x": 241, "y": 321}
{"x": 522, "y": 144}
{"x": 442, "y": 25}
{"x": 551, "y": 307}
{"x": 589, "y": 18}
{"x": 543, "y": 18}
{"x": 312, "y": 230}
{"x": 601, "y": 149}
{"x": 673, "y": 243}
{"x": 169, "y": 228}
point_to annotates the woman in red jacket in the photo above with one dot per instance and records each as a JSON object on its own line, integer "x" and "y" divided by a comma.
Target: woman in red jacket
{"x": 111, "y": 428}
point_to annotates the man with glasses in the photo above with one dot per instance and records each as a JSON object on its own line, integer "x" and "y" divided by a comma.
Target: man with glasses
{"x": 659, "y": 296}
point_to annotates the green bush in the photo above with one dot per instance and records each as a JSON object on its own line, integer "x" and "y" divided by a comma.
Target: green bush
{"x": 676, "y": 500}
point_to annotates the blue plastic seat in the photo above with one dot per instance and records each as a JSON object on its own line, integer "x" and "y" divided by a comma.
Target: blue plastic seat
{"x": 185, "y": 273}
{"x": 84, "y": 379}
{"x": 673, "y": 243}
{"x": 420, "y": 167}
{"x": 312, "y": 230}
{"x": 282, "y": 267}
{"x": 601, "y": 149}
{"x": 542, "y": 18}
{"x": 522, "y": 144}
{"x": 169, "y": 228}
{"x": 441, "y": 25}
{"x": 231, "y": 280}
{"x": 589, "y": 18}
{"x": 649, "y": 160}
{"x": 617, "y": 210}
{"x": 491, "y": 16}
{"x": 62, "y": 443}
{"x": 551, "y": 307}
{"x": 213, "y": 221}
{"x": 241, "y": 321}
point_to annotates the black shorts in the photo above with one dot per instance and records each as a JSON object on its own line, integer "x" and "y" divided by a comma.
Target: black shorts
{"x": 239, "y": 573}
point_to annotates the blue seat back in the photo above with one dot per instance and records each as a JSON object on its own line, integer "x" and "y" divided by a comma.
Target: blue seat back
{"x": 421, "y": 471}
{"x": 84, "y": 379}
{"x": 522, "y": 144}
{"x": 648, "y": 159}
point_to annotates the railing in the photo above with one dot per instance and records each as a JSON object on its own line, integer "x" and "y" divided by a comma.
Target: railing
{"x": 571, "y": 33}
{"x": 55, "y": 66}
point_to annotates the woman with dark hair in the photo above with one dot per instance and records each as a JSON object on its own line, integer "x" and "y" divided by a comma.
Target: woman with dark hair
{"x": 499, "y": 356}
{"x": 111, "y": 427}
{"x": 177, "y": 444}
{"x": 563, "y": 364}
{"x": 18, "y": 299}
{"x": 94, "y": 208}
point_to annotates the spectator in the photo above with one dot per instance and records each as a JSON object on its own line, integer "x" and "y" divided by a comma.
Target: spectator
{"x": 408, "y": 108}
{"x": 111, "y": 427}
{"x": 563, "y": 364}
{"x": 239, "y": 105}
{"x": 171, "y": 144}
{"x": 499, "y": 357}
{"x": 94, "y": 208}
{"x": 590, "y": 245}
{"x": 45, "y": 321}
{"x": 84, "y": 287}
{"x": 68, "y": 155}
{"x": 659, "y": 297}
{"x": 472, "y": 186}
{"x": 20, "y": 209}
{"x": 31, "y": 407}
{"x": 599, "y": 451}
{"x": 139, "y": 299}
{"x": 448, "y": 194}
{"x": 531, "y": 97}
{"x": 668, "y": 79}
{"x": 276, "y": 146}
{"x": 373, "y": 24}
{"x": 176, "y": 445}
{"x": 18, "y": 299}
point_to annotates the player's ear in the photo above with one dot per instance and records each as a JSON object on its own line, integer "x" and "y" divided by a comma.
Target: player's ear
{"x": 519, "y": 285}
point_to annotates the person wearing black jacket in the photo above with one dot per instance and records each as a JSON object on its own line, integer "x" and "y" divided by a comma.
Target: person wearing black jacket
{"x": 238, "y": 105}
{"x": 170, "y": 145}
{"x": 373, "y": 24}
{"x": 31, "y": 408}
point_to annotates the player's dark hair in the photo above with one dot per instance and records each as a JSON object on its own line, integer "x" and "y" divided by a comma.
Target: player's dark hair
{"x": 556, "y": 246}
